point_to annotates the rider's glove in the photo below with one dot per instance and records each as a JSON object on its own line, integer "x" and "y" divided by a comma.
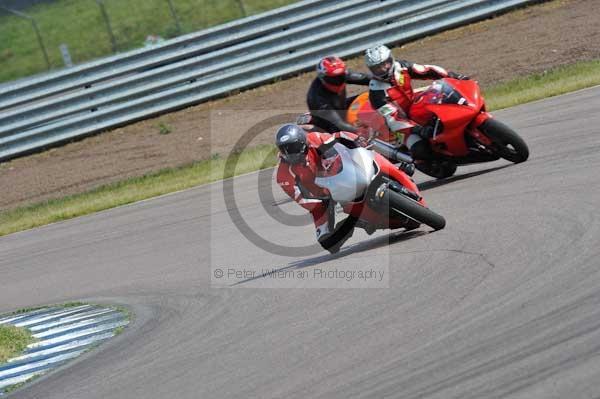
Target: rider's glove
{"x": 365, "y": 134}
{"x": 459, "y": 76}
{"x": 362, "y": 141}
{"x": 304, "y": 119}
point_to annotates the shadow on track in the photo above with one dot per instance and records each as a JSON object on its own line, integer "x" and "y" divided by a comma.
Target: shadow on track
{"x": 367, "y": 245}
{"x": 430, "y": 184}
{"x": 377, "y": 242}
{"x": 363, "y": 246}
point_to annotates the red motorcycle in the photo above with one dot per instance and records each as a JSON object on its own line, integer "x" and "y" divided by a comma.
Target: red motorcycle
{"x": 374, "y": 191}
{"x": 463, "y": 132}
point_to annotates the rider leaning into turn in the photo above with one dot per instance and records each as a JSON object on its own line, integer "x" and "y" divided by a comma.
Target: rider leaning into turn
{"x": 327, "y": 99}
{"x": 391, "y": 94}
{"x": 302, "y": 156}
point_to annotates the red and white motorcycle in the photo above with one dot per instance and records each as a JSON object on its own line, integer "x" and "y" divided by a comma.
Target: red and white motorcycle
{"x": 375, "y": 192}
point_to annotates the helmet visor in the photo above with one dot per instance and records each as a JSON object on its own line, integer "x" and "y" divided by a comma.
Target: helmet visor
{"x": 382, "y": 69}
{"x": 293, "y": 152}
{"x": 335, "y": 80}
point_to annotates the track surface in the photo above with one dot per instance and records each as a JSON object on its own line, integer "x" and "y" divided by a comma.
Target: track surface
{"x": 505, "y": 302}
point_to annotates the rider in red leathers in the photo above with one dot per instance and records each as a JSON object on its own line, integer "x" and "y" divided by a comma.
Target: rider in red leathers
{"x": 304, "y": 155}
{"x": 391, "y": 94}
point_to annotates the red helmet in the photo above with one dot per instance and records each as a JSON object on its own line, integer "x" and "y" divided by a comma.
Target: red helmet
{"x": 332, "y": 72}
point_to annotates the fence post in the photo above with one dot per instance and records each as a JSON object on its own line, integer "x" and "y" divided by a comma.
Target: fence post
{"x": 35, "y": 29}
{"x": 113, "y": 42}
{"x": 242, "y": 7}
{"x": 174, "y": 15}
{"x": 41, "y": 42}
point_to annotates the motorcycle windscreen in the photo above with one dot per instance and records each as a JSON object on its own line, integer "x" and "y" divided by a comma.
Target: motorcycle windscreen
{"x": 441, "y": 92}
{"x": 353, "y": 178}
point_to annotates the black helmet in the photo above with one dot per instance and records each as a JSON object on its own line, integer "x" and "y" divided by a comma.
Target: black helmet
{"x": 291, "y": 141}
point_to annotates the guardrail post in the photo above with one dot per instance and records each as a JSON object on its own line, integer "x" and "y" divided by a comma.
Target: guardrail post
{"x": 113, "y": 42}
{"x": 174, "y": 15}
{"x": 35, "y": 29}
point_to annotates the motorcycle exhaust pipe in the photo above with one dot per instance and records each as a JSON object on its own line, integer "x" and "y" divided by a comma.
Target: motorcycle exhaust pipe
{"x": 390, "y": 152}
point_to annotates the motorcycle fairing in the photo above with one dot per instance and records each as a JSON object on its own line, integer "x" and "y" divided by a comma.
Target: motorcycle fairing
{"x": 353, "y": 178}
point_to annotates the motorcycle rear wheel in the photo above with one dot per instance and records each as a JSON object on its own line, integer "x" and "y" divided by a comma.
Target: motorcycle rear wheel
{"x": 404, "y": 206}
{"x": 507, "y": 143}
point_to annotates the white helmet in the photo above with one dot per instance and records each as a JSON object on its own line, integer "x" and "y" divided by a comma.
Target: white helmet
{"x": 380, "y": 61}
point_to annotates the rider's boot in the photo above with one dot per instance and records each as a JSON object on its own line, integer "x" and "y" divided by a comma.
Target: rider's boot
{"x": 421, "y": 151}
{"x": 368, "y": 228}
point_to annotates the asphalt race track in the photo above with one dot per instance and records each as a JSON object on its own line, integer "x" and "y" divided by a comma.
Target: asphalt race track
{"x": 505, "y": 302}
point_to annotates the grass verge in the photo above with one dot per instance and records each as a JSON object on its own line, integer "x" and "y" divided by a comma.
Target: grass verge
{"x": 80, "y": 25}
{"x": 13, "y": 341}
{"x": 135, "y": 189}
{"x": 551, "y": 83}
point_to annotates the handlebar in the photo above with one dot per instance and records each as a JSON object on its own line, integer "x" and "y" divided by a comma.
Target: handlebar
{"x": 390, "y": 152}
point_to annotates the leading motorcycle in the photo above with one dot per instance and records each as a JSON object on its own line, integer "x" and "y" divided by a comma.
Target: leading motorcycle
{"x": 461, "y": 130}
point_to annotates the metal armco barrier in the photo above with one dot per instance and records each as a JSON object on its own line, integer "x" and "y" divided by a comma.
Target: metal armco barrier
{"x": 114, "y": 91}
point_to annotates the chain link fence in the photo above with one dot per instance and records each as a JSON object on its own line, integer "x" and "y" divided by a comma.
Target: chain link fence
{"x": 40, "y": 35}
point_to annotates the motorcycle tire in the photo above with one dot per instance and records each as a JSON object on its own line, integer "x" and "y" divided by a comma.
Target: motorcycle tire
{"x": 404, "y": 206}
{"x": 507, "y": 143}
{"x": 439, "y": 170}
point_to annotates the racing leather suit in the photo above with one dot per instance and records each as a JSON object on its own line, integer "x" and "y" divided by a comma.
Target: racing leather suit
{"x": 328, "y": 109}
{"x": 393, "y": 98}
{"x": 298, "y": 181}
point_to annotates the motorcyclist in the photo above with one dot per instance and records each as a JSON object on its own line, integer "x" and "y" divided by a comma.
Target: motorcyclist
{"x": 302, "y": 156}
{"x": 391, "y": 94}
{"x": 327, "y": 99}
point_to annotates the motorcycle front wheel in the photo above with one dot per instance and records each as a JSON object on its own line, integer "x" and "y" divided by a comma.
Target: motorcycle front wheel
{"x": 403, "y": 206}
{"x": 507, "y": 143}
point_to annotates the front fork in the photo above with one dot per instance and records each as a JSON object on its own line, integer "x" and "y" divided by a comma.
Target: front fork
{"x": 474, "y": 131}
{"x": 388, "y": 184}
